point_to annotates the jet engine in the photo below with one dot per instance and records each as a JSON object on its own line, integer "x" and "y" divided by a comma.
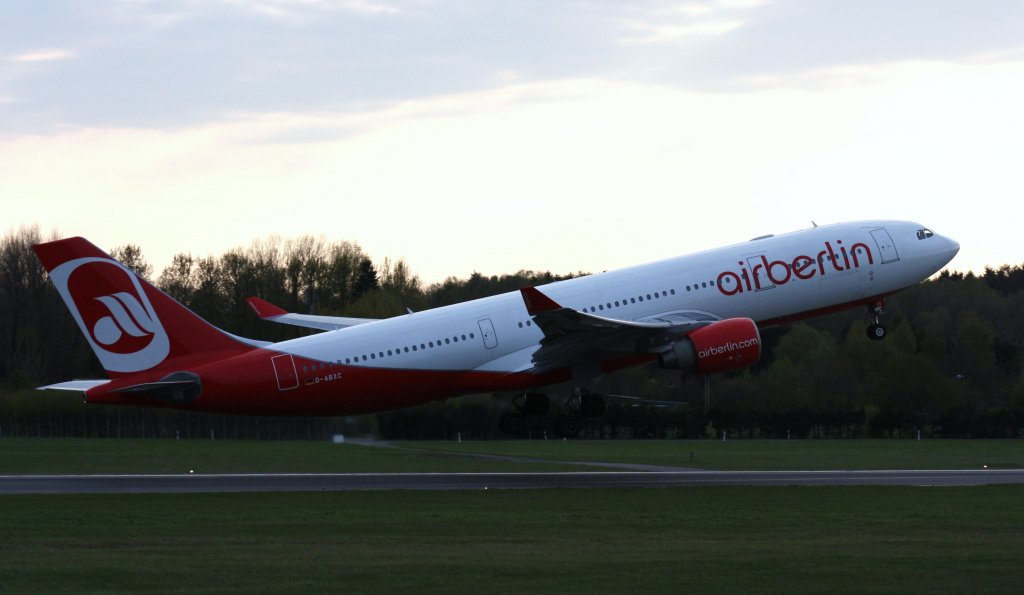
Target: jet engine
{"x": 722, "y": 346}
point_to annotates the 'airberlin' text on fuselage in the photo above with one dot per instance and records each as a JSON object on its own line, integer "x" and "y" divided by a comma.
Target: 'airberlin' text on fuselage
{"x": 765, "y": 274}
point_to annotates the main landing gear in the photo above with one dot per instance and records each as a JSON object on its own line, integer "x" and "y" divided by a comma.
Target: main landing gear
{"x": 876, "y": 332}
{"x": 580, "y": 405}
{"x": 567, "y": 424}
{"x": 514, "y": 422}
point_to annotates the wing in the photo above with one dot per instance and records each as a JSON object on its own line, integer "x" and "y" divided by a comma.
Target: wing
{"x": 268, "y": 311}
{"x": 572, "y": 338}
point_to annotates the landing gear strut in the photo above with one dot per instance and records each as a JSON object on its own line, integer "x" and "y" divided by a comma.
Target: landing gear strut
{"x": 582, "y": 404}
{"x": 876, "y": 332}
{"x": 532, "y": 403}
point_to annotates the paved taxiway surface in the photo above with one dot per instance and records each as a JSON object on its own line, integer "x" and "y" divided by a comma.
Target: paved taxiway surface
{"x": 199, "y": 483}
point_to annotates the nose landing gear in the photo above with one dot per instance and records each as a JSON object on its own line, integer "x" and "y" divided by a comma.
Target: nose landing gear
{"x": 876, "y": 332}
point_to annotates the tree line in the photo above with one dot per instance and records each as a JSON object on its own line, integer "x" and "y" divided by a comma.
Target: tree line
{"x": 951, "y": 366}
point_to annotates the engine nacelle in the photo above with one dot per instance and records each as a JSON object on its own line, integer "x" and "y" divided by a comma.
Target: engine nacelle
{"x": 722, "y": 346}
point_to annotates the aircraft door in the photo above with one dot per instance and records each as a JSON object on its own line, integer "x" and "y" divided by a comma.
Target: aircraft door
{"x": 886, "y": 247}
{"x": 759, "y": 279}
{"x": 284, "y": 370}
{"x": 487, "y": 332}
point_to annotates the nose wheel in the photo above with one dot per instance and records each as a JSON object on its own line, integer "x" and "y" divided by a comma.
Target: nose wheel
{"x": 876, "y": 331}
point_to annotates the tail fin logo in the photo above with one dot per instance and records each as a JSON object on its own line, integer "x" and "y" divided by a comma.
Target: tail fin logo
{"x": 113, "y": 311}
{"x": 127, "y": 316}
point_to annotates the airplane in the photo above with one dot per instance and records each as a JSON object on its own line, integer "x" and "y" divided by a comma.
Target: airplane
{"x": 700, "y": 313}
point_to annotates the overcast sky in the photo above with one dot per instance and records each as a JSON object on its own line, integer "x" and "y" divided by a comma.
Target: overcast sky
{"x": 469, "y": 136}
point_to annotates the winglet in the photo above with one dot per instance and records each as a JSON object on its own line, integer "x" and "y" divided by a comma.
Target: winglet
{"x": 536, "y": 302}
{"x": 263, "y": 308}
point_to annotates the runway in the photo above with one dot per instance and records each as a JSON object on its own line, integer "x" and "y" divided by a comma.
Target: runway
{"x": 307, "y": 482}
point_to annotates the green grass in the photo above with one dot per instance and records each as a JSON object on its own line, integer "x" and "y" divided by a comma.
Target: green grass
{"x": 757, "y": 455}
{"x": 734, "y": 539}
{"x": 70, "y": 455}
{"x": 20, "y": 456}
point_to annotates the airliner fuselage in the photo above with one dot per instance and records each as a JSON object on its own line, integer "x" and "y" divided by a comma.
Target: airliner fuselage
{"x": 572, "y": 330}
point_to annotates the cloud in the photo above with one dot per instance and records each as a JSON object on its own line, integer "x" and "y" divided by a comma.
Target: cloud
{"x": 661, "y": 23}
{"x": 303, "y": 9}
{"x": 651, "y": 33}
{"x": 44, "y": 55}
{"x": 448, "y": 181}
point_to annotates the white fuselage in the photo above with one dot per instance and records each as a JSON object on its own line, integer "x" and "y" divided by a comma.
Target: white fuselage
{"x": 769, "y": 280}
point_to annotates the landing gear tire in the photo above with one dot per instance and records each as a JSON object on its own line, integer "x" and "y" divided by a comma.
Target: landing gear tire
{"x": 876, "y": 332}
{"x": 567, "y": 426}
{"x": 512, "y": 423}
{"x": 592, "y": 405}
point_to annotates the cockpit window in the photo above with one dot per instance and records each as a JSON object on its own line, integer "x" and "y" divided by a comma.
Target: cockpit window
{"x": 924, "y": 234}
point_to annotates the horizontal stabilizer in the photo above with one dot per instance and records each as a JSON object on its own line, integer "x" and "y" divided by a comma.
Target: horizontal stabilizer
{"x": 75, "y": 385}
{"x": 272, "y": 313}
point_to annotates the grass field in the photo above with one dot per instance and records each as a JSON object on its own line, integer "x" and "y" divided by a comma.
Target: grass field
{"x": 792, "y": 540}
{"x": 54, "y": 456}
{"x": 701, "y": 539}
{"x": 20, "y": 456}
{"x": 758, "y": 455}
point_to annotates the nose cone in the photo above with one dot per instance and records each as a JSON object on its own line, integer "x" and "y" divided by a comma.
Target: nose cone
{"x": 950, "y": 248}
